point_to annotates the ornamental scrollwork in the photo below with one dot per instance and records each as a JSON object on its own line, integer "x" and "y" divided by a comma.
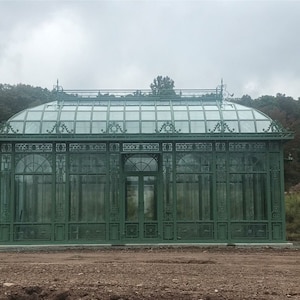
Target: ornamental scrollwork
{"x": 113, "y": 127}
{"x": 275, "y": 127}
{"x": 7, "y": 128}
{"x": 221, "y": 127}
{"x": 60, "y": 128}
{"x": 167, "y": 127}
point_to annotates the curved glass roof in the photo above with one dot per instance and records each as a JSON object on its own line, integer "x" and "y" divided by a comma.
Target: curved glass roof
{"x": 139, "y": 115}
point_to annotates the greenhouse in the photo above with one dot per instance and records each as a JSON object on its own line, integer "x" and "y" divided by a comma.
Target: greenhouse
{"x": 128, "y": 167}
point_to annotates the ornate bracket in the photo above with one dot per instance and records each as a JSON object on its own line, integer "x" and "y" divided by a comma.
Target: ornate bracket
{"x": 275, "y": 127}
{"x": 167, "y": 127}
{"x": 59, "y": 128}
{"x": 221, "y": 127}
{"x": 6, "y": 128}
{"x": 113, "y": 127}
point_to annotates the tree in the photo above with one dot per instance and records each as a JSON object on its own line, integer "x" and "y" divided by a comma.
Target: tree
{"x": 162, "y": 86}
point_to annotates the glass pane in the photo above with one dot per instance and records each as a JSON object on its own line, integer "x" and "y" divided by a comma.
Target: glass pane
{"x": 197, "y": 127}
{"x": 132, "y": 127}
{"x": 34, "y": 115}
{"x": 229, "y": 115}
{"x": 67, "y": 115}
{"x": 83, "y": 127}
{"x": 259, "y": 115}
{"x": 99, "y": 115}
{"x": 132, "y": 115}
{"x": 98, "y": 127}
{"x": 33, "y": 199}
{"x": 148, "y": 127}
{"x": 116, "y": 115}
{"x": 83, "y": 115}
{"x": 32, "y": 127}
{"x": 139, "y": 163}
{"x": 20, "y": 116}
{"x": 187, "y": 189}
{"x": 148, "y": 115}
{"x": 245, "y": 114}
{"x": 212, "y": 115}
{"x": 180, "y": 115}
{"x": 87, "y": 194}
{"x": 131, "y": 198}
{"x": 196, "y": 115}
{"x": 50, "y": 115}
{"x": 247, "y": 126}
{"x": 163, "y": 115}
{"x": 182, "y": 126}
{"x": 149, "y": 198}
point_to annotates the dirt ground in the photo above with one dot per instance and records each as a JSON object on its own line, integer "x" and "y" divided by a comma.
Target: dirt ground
{"x": 150, "y": 273}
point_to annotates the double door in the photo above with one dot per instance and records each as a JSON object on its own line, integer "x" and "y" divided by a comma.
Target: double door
{"x": 141, "y": 214}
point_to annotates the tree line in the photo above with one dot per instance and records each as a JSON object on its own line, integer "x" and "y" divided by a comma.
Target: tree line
{"x": 282, "y": 108}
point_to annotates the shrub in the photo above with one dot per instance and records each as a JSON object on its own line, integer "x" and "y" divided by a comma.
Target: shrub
{"x": 292, "y": 204}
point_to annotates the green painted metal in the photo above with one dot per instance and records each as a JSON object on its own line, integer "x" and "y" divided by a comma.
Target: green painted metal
{"x": 163, "y": 187}
{"x": 136, "y": 192}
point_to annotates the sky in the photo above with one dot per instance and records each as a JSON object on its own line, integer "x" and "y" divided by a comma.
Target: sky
{"x": 254, "y": 46}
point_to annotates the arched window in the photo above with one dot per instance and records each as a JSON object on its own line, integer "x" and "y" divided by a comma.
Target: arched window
{"x": 33, "y": 189}
{"x": 141, "y": 163}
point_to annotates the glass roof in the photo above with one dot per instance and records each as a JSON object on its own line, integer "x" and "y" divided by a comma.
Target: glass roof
{"x": 144, "y": 115}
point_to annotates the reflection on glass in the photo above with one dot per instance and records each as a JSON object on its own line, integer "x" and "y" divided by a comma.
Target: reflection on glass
{"x": 149, "y": 198}
{"x": 132, "y": 198}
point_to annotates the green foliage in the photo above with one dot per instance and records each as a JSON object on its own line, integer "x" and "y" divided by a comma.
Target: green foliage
{"x": 14, "y": 98}
{"x": 286, "y": 111}
{"x": 162, "y": 86}
{"x": 292, "y": 204}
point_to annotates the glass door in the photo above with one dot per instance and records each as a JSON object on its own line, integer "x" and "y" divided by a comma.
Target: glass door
{"x": 141, "y": 207}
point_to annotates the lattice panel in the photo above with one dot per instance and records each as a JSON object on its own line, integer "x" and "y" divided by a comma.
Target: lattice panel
{"x": 202, "y": 147}
{"x": 137, "y": 147}
{"x": 87, "y": 147}
{"x": 150, "y": 230}
{"x": 87, "y": 232}
{"x": 32, "y": 232}
{"x": 248, "y": 147}
{"x": 194, "y": 231}
{"x": 34, "y": 147}
{"x": 249, "y": 231}
{"x": 132, "y": 230}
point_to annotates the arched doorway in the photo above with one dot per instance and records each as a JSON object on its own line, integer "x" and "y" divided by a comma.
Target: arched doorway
{"x": 140, "y": 197}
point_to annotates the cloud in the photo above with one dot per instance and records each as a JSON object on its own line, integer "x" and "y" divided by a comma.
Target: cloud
{"x": 125, "y": 44}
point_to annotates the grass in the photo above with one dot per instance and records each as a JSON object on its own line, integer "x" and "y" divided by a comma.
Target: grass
{"x": 292, "y": 204}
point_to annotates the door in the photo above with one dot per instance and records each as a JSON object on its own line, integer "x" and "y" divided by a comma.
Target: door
{"x": 141, "y": 207}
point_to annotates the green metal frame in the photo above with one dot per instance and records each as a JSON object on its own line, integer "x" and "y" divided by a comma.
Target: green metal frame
{"x": 67, "y": 188}
{"x": 219, "y": 166}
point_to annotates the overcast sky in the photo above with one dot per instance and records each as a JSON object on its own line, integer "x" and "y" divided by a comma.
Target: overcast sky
{"x": 253, "y": 45}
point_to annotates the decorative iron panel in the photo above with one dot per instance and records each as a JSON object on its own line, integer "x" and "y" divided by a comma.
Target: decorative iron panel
{"x": 249, "y": 147}
{"x": 202, "y": 147}
{"x": 132, "y": 230}
{"x": 61, "y": 147}
{"x": 195, "y": 231}
{"x": 249, "y": 231}
{"x": 114, "y": 147}
{"x": 167, "y": 147}
{"x": 6, "y": 147}
{"x": 34, "y": 147}
{"x": 32, "y": 232}
{"x": 89, "y": 232}
{"x": 150, "y": 230}
{"x": 138, "y": 147}
{"x": 87, "y": 147}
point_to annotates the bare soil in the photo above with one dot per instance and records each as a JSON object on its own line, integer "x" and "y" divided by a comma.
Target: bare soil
{"x": 150, "y": 273}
